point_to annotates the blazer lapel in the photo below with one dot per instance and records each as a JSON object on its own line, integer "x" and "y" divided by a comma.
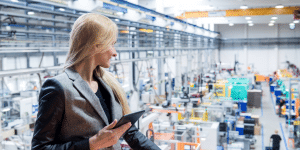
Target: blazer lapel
{"x": 87, "y": 92}
{"x": 116, "y": 108}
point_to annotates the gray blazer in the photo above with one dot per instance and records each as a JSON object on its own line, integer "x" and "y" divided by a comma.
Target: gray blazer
{"x": 70, "y": 113}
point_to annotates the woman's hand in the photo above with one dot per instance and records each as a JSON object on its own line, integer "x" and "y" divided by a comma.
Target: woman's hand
{"x": 108, "y": 136}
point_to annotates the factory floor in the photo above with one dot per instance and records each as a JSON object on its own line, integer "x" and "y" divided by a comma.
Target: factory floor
{"x": 270, "y": 122}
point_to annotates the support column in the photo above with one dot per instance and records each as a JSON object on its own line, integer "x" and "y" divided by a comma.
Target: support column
{"x": 189, "y": 64}
{"x": 205, "y": 61}
{"x": 277, "y": 57}
{"x": 161, "y": 75}
{"x": 246, "y": 57}
{"x": 200, "y": 69}
{"x": 178, "y": 82}
{"x": 134, "y": 99}
{"x": 276, "y": 48}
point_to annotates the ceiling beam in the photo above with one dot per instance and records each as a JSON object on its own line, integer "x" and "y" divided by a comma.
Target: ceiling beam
{"x": 240, "y": 12}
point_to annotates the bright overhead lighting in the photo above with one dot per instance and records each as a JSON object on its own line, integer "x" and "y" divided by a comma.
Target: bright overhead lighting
{"x": 279, "y": 6}
{"x": 244, "y": 7}
{"x": 231, "y": 24}
{"x": 274, "y": 18}
{"x": 272, "y": 21}
{"x": 251, "y": 24}
{"x": 248, "y": 18}
{"x": 292, "y": 26}
{"x": 5, "y": 109}
{"x": 31, "y": 13}
{"x": 249, "y": 21}
{"x": 271, "y": 24}
{"x": 14, "y": 0}
{"x": 120, "y": 13}
{"x": 61, "y": 9}
{"x": 296, "y": 21}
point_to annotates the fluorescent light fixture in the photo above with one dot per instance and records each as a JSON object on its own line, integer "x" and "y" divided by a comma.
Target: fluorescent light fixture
{"x": 231, "y": 24}
{"x": 244, "y": 7}
{"x": 271, "y": 24}
{"x": 296, "y": 21}
{"x": 279, "y": 6}
{"x": 251, "y": 24}
{"x": 30, "y": 13}
{"x": 61, "y": 9}
{"x": 5, "y": 109}
{"x": 8, "y": 28}
{"x": 120, "y": 13}
{"x": 14, "y": 0}
{"x": 272, "y": 21}
{"x": 248, "y": 18}
{"x": 292, "y": 26}
{"x": 249, "y": 21}
{"x": 274, "y": 18}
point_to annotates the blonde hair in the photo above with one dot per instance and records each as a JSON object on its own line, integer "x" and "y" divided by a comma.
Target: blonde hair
{"x": 276, "y": 131}
{"x": 90, "y": 29}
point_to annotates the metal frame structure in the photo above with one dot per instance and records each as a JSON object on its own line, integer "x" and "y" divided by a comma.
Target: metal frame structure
{"x": 230, "y": 43}
{"x": 134, "y": 38}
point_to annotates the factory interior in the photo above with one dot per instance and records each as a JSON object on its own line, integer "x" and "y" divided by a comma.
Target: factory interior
{"x": 209, "y": 74}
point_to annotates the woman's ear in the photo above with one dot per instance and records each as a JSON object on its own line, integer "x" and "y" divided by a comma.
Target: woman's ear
{"x": 97, "y": 46}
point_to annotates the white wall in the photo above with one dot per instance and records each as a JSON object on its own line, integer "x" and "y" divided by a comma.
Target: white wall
{"x": 263, "y": 57}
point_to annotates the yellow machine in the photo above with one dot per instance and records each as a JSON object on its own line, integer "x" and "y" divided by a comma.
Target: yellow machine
{"x": 205, "y": 115}
{"x": 220, "y": 88}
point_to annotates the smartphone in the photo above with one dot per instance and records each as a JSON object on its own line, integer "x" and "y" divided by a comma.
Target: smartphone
{"x": 133, "y": 117}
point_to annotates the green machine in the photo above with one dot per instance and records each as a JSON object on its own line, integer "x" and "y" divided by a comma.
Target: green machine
{"x": 239, "y": 88}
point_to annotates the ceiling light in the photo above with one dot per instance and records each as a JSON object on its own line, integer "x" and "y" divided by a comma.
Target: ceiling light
{"x": 14, "y": 0}
{"x": 61, "y": 9}
{"x": 272, "y": 21}
{"x": 30, "y": 13}
{"x": 244, "y": 7}
{"x": 271, "y": 24}
{"x": 8, "y": 28}
{"x": 251, "y": 24}
{"x": 296, "y": 21}
{"x": 274, "y": 18}
{"x": 279, "y": 6}
{"x": 249, "y": 21}
{"x": 248, "y": 18}
{"x": 231, "y": 24}
{"x": 120, "y": 13}
{"x": 292, "y": 26}
{"x": 5, "y": 109}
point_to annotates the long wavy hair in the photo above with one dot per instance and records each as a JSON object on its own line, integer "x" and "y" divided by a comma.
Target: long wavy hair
{"x": 90, "y": 29}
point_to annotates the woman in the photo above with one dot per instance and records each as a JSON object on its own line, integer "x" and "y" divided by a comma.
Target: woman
{"x": 79, "y": 108}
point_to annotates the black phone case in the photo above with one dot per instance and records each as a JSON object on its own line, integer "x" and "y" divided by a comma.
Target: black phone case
{"x": 133, "y": 117}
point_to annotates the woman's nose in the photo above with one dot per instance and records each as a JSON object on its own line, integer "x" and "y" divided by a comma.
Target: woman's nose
{"x": 114, "y": 52}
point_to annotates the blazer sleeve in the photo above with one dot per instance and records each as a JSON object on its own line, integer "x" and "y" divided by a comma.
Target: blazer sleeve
{"x": 138, "y": 141}
{"x": 49, "y": 119}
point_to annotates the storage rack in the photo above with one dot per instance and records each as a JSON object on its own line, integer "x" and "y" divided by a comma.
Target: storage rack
{"x": 259, "y": 42}
{"x": 27, "y": 35}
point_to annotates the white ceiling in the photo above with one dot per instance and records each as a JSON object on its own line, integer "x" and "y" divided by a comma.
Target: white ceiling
{"x": 177, "y": 7}
{"x": 203, "y": 5}
{"x": 282, "y": 19}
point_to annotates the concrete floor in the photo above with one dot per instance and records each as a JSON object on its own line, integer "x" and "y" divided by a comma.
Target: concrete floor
{"x": 270, "y": 122}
